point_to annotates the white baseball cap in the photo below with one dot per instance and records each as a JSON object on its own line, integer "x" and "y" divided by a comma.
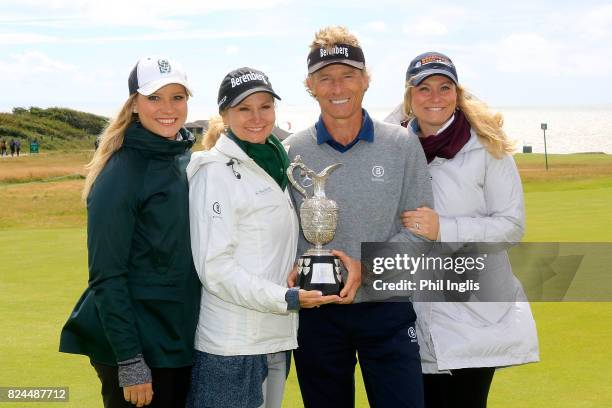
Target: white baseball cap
{"x": 151, "y": 73}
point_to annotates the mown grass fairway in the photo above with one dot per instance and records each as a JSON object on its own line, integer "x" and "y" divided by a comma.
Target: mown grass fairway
{"x": 43, "y": 166}
{"x": 43, "y": 270}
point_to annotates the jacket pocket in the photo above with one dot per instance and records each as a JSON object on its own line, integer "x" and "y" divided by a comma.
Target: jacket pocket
{"x": 161, "y": 325}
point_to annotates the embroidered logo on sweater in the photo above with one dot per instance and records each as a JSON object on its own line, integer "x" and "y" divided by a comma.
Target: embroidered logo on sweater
{"x": 378, "y": 172}
{"x": 412, "y": 334}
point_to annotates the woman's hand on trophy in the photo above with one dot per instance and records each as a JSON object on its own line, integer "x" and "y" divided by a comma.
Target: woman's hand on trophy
{"x": 292, "y": 278}
{"x": 353, "y": 282}
{"x": 423, "y": 221}
{"x": 314, "y": 298}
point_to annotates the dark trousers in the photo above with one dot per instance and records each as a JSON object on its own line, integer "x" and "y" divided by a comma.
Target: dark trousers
{"x": 170, "y": 387}
{"x": 381, "y": 334}
{"x": 465, "y": 388}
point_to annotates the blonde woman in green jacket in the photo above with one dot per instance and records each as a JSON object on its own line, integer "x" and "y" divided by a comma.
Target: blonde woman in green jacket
{"x": 136, "y": 320}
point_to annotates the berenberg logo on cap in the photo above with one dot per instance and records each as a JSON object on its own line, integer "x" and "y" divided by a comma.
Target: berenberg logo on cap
{"x": 249, "y": 76}
{"x": 164, "y": 66}
{"x": 335, "y": 50}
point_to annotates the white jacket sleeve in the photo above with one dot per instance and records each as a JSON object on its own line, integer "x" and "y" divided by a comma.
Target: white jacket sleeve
{"x": 213, "y": 214}
{"x": 505, "y": 217}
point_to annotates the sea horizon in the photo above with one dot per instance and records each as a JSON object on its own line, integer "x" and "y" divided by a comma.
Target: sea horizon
{"x": 570, "y": 129}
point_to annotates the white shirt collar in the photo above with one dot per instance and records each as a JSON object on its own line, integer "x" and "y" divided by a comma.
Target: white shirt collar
{"x": 447, "y": 124}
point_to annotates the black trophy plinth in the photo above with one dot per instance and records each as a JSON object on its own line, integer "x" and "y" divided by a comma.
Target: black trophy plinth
{"x": 320, "y": 272}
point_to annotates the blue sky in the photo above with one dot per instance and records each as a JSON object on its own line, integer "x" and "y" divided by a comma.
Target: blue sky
{"x": 78, "y": 54}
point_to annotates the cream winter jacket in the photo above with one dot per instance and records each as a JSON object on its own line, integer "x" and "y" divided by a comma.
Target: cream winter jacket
{"x": 479, "y": 199}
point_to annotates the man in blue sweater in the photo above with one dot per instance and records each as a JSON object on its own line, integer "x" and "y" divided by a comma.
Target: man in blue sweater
{"x": 384, "y": 173}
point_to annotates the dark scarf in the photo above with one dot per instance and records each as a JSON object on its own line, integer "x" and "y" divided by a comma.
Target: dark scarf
{"x": 447, "y": 143}
{"x": 270, "y": 156}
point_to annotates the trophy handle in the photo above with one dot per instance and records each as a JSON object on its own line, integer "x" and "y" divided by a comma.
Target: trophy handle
{"x": 297, "y": 162}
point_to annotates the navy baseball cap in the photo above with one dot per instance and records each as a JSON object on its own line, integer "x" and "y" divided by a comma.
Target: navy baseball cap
{"x": 428, "y": 64}
{"x": 241, "y": 83}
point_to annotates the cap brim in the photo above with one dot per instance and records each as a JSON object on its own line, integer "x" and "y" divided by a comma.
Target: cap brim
{"x": 153, "y": 86}
{"x": 343, "y": 61}
{"x": 421, "y": 76}
{"x": 250, "y": 92}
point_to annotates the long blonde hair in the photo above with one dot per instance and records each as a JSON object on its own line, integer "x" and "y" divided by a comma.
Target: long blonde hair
{"x": 487, "y": 123}
{"x": 216, "y": 127}
{"x": 111, "y": 140}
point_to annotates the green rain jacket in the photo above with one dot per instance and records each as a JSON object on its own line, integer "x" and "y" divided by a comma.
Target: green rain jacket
{"x": 143, "y": 294}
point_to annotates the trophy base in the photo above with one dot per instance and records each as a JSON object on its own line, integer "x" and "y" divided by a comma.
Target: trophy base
{"x": 320, "y": 270}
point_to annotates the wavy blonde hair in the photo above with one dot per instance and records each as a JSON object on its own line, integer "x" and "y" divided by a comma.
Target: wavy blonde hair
{"x": 487, "y": 123}
{"x": 327, "y": 38}
{"x": 216, "y": 126}
{"x": 111, "y": 140}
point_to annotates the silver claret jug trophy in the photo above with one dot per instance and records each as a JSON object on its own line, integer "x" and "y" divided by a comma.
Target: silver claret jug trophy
{"x": 318, "y": 268}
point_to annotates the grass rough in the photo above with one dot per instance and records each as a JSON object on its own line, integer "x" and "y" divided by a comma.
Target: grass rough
{"x": 44, "y": 270}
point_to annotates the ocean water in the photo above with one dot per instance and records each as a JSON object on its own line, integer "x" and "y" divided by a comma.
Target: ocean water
{"x": 570, "y": 130}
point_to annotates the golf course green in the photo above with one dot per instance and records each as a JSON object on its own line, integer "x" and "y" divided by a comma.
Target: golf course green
{"x": 43, "y": 271}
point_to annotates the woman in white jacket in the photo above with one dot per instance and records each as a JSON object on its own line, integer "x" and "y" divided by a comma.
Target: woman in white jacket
{"x": 478, "y": 198}
{"x": 244, "y": 239}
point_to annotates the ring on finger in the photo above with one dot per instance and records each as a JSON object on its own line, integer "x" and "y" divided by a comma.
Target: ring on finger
{"x": 417, "y": 225}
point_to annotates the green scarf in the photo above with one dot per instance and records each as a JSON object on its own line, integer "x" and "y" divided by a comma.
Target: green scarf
{"x": 270, "y": 156}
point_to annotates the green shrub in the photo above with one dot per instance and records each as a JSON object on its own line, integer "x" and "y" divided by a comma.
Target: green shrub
{"x": 53, "y": 128}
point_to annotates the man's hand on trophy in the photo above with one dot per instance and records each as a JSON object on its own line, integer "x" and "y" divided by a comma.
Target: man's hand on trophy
{"x": 314, "y": 298}
{"x": 353, "y": 266}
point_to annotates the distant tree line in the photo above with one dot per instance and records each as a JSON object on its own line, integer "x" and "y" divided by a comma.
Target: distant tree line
{"x": 87, "y": 122}
{"x": 53, "y": 128}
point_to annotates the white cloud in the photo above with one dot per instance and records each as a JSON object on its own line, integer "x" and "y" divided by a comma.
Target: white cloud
{"x": 172, "y": 35}
{"x": 527, "y": 52}
{"x": 426, "y": 26}
{"x": 33, "y": 75}
{"x": 436, "y": 21}
{"x": 563, "y": 44}
{"x": 378, "y": 26}
{"x": 25, "y": 38}
{"x": 32, "y": 64}
{"x": 231, "y": 50}
{"x": 596, "y": 24}
{"x": 161, "y": 13}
